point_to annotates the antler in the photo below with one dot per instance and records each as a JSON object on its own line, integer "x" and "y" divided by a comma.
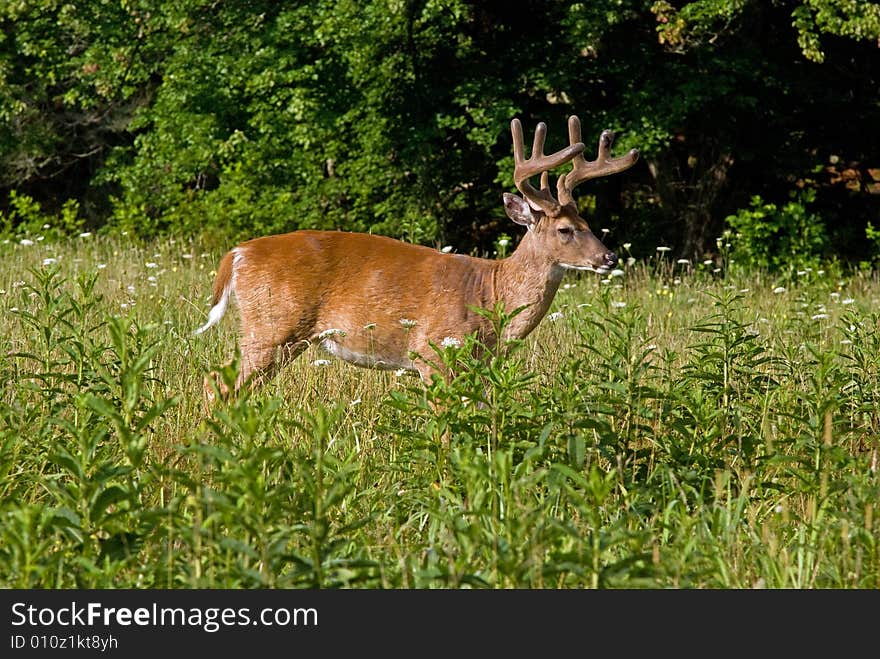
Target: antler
{"x": 538, "y": 163}
{"x": 583, "y": 170}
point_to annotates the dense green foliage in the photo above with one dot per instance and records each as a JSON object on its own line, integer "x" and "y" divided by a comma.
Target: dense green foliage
{"x": 169, "y": 116}
{"x": 663, "y": 427}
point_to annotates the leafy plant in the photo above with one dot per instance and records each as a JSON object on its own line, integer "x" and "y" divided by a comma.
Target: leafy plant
{"x": 767, "y": 236}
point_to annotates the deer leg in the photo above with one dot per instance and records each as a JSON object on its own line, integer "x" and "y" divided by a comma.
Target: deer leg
{"x": 259, "y": 362}
{"x": 257, "y": 359}
{"x": 214, "y": 387}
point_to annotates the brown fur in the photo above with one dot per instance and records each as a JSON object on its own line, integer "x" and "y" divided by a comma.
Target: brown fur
{"x": 292, "y": 288}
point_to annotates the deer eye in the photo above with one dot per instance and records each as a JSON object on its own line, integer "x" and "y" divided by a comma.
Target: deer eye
{"x": 565, "y": 231}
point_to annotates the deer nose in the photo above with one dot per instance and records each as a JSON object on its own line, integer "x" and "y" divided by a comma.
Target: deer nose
{"x": 610, "y": 259}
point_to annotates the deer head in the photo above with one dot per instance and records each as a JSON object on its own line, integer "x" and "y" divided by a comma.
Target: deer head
{"x": 561, "y": 232}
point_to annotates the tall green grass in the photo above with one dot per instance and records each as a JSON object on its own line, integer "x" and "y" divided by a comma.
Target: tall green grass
{"x": 669, "y": 427}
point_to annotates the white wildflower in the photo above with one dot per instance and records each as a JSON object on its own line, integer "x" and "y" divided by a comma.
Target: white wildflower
{"x": 503, "y": 242}
{"x": 446, "y": 249}
{"x": 708, "y": 262}
{"x": 152, "y": 265}
{"x": 820, "y": 316}
{"x": 406, "y": 322}
{"x": 450, "y": 342}
{"x": 27, "y": 242}
{"x": 556, "y": 315}
{"x": 101, "y": 266}
{"x": 779, "y": 289}
{"x": 683, "y": 261}
{"x": 331, "y": 332}
{"x": 617, "y": 272}
{"x": 626, "y": 246}
{"x": 846, "y": 342}
{"x": 50, "y": 261}
{"x": 85, "y": 234}
{"x": 848, "y": 300}
{"x": 321, "y": 362}
{"x": 370, "y": 327}
{"x": 618, "y": 305}
{"x": 664, "y": 249}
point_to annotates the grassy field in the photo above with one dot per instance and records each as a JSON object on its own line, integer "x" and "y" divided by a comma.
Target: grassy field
{"x": 668, "y": 427}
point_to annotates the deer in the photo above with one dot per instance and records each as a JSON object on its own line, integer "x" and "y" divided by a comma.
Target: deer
{"x": 381, "y": 303}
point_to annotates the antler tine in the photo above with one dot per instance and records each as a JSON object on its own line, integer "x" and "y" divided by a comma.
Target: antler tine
{"x": 545, "y": 183}
{"x": 574, "y": 129}
{"x": 525, "y": 168}
{"x": 538, "y": 142}
{"x": 518, "y": 145}
{"x": 583, "y": 170}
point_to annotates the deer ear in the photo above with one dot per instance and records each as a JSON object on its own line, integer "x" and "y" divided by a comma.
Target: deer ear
{"x": 519, "y": 210}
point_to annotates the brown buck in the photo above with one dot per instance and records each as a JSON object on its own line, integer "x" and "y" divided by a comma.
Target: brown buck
{"x": 381, "y": 303}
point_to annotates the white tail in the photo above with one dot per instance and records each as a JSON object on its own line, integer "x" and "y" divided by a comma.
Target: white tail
{"x": 377, "y": 302}
{"x": 217, "y": 311}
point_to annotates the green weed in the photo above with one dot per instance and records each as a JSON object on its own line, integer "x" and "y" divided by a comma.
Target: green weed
{"x": 667, "y": 426}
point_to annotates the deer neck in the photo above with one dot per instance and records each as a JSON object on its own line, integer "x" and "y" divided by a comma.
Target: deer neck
{"x": 527, "y": 278}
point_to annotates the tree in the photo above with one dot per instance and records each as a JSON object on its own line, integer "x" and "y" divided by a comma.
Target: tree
{"x": 393, "y": 115}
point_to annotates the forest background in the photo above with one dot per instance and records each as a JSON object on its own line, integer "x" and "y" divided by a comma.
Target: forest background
{"x": 240, "y": 118}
